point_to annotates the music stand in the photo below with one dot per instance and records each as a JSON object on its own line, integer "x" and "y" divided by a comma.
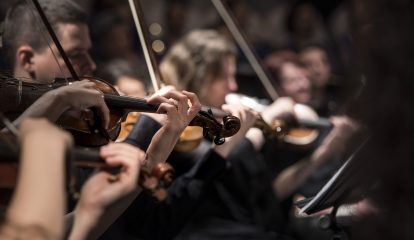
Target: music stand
{"x": 337, "y": 190}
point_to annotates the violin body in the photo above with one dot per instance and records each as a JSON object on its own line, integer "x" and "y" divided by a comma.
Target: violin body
{"x": 85, "y": 134}
{"x": 18, "y": 95}
{"x": 128, "y": 125}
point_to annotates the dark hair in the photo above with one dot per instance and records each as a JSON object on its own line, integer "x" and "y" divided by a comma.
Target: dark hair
{"x": 23, "y": 26}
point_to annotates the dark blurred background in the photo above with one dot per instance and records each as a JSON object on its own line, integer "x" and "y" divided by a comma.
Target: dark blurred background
{"x": 269, "y": 25}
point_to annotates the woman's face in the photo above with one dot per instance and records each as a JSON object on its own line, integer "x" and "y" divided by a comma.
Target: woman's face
{"x": 225, "y": 83}
{"x": 295, "y": 83}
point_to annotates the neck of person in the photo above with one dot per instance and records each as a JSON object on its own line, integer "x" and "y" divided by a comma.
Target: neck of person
{"x": 25, "y": 76}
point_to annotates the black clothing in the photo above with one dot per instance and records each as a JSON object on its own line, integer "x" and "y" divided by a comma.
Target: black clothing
{"x": 240, "y": 204}
{"x": 147, "y": 219}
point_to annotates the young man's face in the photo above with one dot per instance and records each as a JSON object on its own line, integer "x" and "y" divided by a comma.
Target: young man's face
{"x": 76, "y": 42}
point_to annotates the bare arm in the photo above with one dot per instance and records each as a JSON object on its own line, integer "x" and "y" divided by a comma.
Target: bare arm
{"x": 77, "y": 96}
{"x": 178, "y": 116}
{"x": 39, "y": 197}
{"x": 104, "y": 196}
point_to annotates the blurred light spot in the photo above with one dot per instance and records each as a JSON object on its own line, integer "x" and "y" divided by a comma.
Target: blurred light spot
{"x": 158, "y": 46}
{"x": 155, "y": 29}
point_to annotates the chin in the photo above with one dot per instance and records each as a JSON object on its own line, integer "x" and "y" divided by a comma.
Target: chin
{"x": 218, "y": 104}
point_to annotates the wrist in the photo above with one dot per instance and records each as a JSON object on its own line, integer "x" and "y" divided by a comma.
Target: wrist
{"x": 85, "y": 220}
{"x": 267, "y": 118}
{"x": 256, "y": 137}
{"x": 60, "y": 99}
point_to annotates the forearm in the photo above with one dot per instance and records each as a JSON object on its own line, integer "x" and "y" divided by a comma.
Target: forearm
{"x": 162, "y": 145}
{"x": 49, "y": 106}
{"x": 91, "y": 223}
{"x": 47, "y": 180}
{"x": 293, "y": 177}
{"x": 256, "y": 137}
{"x": 290, "y": 179}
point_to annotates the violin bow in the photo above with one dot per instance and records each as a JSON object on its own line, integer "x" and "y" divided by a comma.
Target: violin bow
{"x": 46, "y": 23}
{"x": 143, "y": 35}
{"x": 241, "y": 40}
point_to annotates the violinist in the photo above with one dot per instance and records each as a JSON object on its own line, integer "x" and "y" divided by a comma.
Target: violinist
{"x": 205, "y": 62}
{"x": 290, "y": 76}
{"x": 244, "y": 202}
{"x": 306, "y": 78}
{"x": 32, "y": 60}
{"x": 327, "y": 87}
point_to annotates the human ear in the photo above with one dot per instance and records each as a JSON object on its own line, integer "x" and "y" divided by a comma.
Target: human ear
{"x": 24, "y": 58}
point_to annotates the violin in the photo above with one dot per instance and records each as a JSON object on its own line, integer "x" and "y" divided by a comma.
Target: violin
{"x": 128, "y": 125}
{"x": 18, "y": 95}
{"x": 154, "y": 180}
{"x": 301, "y": 131}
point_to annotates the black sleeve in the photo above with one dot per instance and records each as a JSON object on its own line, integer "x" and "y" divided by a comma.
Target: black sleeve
{"x": 143, "y": 131}
{"x": 148, "y": 219}
{"x": 244, "y": 155}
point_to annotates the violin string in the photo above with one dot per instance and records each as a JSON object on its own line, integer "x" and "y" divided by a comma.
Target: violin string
{"x": 240, "y": 39}
{"x": 44, "y": 35}
{"x": 155, "y": 74}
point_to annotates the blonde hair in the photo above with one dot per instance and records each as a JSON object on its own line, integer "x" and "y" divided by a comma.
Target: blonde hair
{"x": 196, "y": 60}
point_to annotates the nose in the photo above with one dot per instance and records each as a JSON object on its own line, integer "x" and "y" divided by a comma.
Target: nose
{"x": 90, "y": 65}
{"x": 304, "y": 82}
{"x": 232, "y": 84}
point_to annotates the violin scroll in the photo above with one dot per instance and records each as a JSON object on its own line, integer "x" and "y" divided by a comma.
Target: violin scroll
{"x": 214, "y": 130}
{"x": 157, "y": 179}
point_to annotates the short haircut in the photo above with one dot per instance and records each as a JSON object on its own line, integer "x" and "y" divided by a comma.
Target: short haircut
{"x": 22, "y": 24}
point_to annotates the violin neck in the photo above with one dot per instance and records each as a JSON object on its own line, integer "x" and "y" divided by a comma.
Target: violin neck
{"x": 321, "y": 123}
{"x": 218, "y": 113}
{"x": 129, "y": 104}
